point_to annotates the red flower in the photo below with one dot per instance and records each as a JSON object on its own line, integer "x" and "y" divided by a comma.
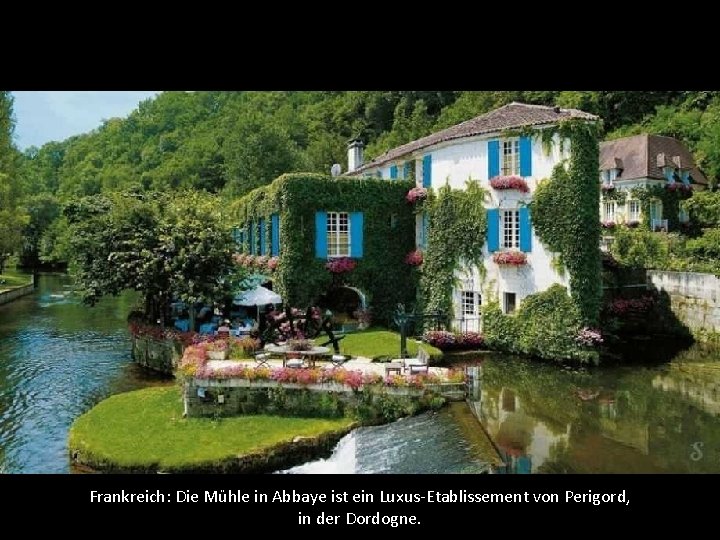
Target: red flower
{"x": 509, "y": 182}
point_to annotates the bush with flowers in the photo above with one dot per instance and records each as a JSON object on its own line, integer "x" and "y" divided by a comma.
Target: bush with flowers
{"x": 589, "y": 337}
{"x": 453, "y": 341}
{"x": 509, "y": 182}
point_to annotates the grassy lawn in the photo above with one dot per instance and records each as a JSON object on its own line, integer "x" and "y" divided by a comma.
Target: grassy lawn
{"x": 13, "y": 278}
{"x": 146, "y": 427}
{"x": 377, "y": 342}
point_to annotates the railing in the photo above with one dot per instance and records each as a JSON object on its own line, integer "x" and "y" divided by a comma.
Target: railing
{"x": 467, "y": 324}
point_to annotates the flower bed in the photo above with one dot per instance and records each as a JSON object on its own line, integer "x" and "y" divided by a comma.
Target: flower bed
{"x": 453, "y": 341}
{"x": 416, "y": 194}
{"x": 341, "y": 265}
{"x": 512, "y": 258}
{"x": 414, "y": 258}
{"x": 509, "y": 182}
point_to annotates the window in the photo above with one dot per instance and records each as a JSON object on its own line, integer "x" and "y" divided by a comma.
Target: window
{"x": 338, "y": 234}
{"x": 609, "y": 211}
{"x": 511, "y": 229}
{"x": 509, "y": 302}
{"x": 633, "y": 209}
{"x": 683, "y": 214}
{"x": 511, "y": 157}
{"x": 469, "y": 304}
{"x": 656, "y": 210}
{"x": 609, "y": 176}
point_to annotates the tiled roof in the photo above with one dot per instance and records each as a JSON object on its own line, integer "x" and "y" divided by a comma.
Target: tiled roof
{"x": 643, "y": 156}
{"x": 513, "y": 115}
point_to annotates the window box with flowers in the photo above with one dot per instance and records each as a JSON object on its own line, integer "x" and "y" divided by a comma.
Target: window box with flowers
{"x": 509, "y": 182}
{"x": 607, "y": 224}
{"x": 677, "y": 186}
{"x": 416, "y": 194}
{"x": 510, "y": 258}
{"x": 414, "y": 258}
{"x": 341, "y": 265}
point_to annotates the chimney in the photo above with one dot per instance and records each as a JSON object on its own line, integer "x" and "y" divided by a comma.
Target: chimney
{"x": 355, "y": 154}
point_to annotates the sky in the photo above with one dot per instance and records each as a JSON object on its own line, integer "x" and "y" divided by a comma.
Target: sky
{"x": 46, "y": 116}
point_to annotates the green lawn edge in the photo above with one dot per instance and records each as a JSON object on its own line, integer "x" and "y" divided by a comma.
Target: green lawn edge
{"x": 144, "y": 431}
{"x": 375, "y": 343}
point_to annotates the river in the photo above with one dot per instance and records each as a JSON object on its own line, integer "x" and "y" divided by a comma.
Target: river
{"x": 58, "y": 358}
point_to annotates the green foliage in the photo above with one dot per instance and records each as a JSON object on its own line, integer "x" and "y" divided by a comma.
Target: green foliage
{"x": 301, "y": 277}
{"x": 545, "y": 326}
{"x": 457, "y": 229}
{"x": 704, "y": 208}
{"x": 166, "y": 246}
{"x": 640, "y": 248}
{"x": 376, "y": 343}
{"x": 565, "y": 216}
{"x": 670, "y": 200}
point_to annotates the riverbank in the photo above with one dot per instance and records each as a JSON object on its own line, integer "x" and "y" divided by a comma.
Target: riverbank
{"x": 144, "y": 431}
{"x": 15, "y": 285}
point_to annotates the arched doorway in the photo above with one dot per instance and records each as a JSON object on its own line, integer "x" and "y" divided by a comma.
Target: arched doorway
{"x": 344, "y": 303}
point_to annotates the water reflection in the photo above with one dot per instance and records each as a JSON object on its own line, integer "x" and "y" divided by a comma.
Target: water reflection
{"x": 611, "y": 420}
{"x": 57, "y": 359}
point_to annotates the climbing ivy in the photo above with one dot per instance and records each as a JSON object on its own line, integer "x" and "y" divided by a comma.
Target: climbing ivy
{"x": 565, "y": 216}
{"x": 670, "y": 203}
{"x": 617, "y": 195}
{"x": 457, "y": 227}
{"x": 388, "y": 234}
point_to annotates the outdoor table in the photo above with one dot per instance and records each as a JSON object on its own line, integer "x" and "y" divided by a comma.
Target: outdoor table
{"x": 308, "y": 357}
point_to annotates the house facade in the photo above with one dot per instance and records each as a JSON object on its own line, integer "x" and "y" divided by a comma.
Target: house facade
{"x": 646, "y": 164}
{"x": 504, "y": 151}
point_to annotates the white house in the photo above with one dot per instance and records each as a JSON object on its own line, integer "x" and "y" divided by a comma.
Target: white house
{"x": 644, "y": 161}
{"x": 479, "y": 149}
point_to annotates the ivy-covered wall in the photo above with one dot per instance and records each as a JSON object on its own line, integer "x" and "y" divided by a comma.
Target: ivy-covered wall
{"x": 388, "y": 234}
{"x": 457, "y": 222}
{"x": 565, "y": 215}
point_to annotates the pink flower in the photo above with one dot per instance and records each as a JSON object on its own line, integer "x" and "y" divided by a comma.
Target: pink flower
{"x": 273, "y": 263}
{"x": 514, "y": 258}
{"x": 341, "y": 265}
{"x": 509, "y": 182}
{"x": 416, "y": 194}
{"x": 414, "y": 258}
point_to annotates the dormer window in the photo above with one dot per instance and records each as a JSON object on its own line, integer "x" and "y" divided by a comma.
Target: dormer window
{"x": 608, "y": 176}
{"x": 669, "y": 174}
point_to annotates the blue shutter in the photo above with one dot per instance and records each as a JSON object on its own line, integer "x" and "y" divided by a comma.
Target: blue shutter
{"x": 406, "y": 169}
{"x": 275, "y": 222}
{"x": 525, "y": 230}
{"x": 427, "y": 171}
{"x": 393, "y": 172}
{"x": 525, "y": 156}
{"x": 262, "y": 236}
{"x": 493, "y": 159}
{"x": 252, "y": 238}
{"x": 356, "y": 234}
{"x": 321, "y": 235}
{"x": 493, "y": 229}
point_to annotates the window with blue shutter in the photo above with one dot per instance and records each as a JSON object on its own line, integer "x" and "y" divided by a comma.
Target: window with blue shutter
{"x": 262, "y": 237}
{"x": 525, "y": 156}
{"x": 321, "y": 235}
{"x": 393, "y": 172}
{"x": 406, "y": 169}
{"x": 251, "y": 237}
{"x": 356, "y": 234}
{"x": 427, "y": 171}
{"x": 525, "y": 230}
{"x": 493, "y": 159}
{"x": 493, "y": 229}
{"x": 275, "y": 235}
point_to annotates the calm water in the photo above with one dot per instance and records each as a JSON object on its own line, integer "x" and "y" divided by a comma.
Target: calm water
{"x": 57, "y": 359}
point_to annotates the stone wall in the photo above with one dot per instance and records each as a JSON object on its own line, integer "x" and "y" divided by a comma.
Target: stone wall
{"x": 234, "y": 397}
{"x": 12, "y": 294}
{"x": 694, "y": 298}
{"x": 161, "y": 356}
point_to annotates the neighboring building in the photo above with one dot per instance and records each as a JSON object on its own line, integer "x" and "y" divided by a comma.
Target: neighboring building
{"x": 645, "y": 161}
{"x": 480, "y": 149}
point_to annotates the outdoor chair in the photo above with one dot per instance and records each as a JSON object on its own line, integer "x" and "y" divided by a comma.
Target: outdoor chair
{"x": 261, "y": 359}
{"x": 339, "y": 359}
{"x": 416, "y": 365}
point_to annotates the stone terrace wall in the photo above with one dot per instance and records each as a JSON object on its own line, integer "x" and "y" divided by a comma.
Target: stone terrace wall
{"x": 12, "y": 294}
{"x": 694, "y": 298}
